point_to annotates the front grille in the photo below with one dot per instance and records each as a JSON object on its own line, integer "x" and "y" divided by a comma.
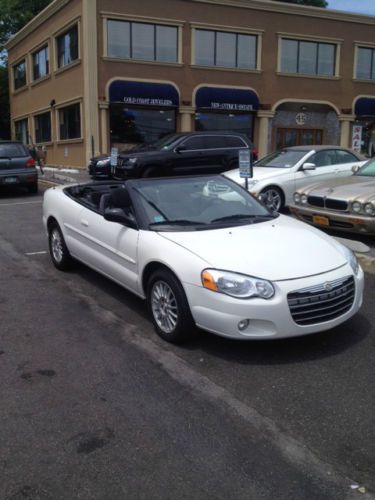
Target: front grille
{"x": 336, "y": 204}
{"x": 316, "y": 304}
{"x": 315, "y": 201}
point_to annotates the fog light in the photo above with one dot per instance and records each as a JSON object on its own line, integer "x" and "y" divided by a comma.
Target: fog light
{"x": 242, "y": 325}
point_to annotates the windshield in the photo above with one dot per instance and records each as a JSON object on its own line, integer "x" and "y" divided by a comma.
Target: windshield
{"x": 286, "y": 158}
{"x": 368, "y": 169}
{"x": 191, "y": 204}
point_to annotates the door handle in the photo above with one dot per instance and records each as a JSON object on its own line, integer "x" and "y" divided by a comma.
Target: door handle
{"x": 84, "y": 223}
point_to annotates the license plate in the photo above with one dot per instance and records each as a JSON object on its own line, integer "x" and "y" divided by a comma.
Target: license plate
{"x": 10, "y": 180}
{"x": 321, "y": 220}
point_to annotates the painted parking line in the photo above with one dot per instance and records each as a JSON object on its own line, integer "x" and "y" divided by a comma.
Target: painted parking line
{"x": 21, "y": 203}
{"x": 36, "y": 253}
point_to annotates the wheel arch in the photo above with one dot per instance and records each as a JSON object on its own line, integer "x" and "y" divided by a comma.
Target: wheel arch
{"x": 150, "y": 268}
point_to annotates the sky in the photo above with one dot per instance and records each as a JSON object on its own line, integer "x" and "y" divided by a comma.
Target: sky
{"x": 358, "y": 6}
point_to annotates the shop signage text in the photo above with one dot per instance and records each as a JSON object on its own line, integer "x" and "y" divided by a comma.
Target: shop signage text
{"x": 148, "y": 101}
{"x": 231, "y": 107}
{"x": 357, "y": 138}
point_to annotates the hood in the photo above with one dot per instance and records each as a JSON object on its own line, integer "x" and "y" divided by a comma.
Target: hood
{"x": 259, "y": 174}
{"x": 353, "y": 188}
{"x": 280, "y": 249}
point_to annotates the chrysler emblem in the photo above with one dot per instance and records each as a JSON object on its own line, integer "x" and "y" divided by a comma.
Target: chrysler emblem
{"x": 328, "y": 286}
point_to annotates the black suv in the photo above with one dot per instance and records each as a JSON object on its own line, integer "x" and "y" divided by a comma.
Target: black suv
{"x": 177, "y": 154}
{"x": 17, "y": 167}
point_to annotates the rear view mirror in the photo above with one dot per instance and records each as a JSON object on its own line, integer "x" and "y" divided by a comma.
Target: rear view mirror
{"x": 355, "y": 168}
{"x": 308, "y": 166}
{"x": 118, "y": 215}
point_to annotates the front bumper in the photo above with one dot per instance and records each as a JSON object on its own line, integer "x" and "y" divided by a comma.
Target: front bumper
{"x": 221, "y": 314}
{"x": 348, "y": 222}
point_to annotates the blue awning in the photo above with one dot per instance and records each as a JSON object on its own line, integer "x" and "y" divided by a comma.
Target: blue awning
{"x": 365, "y": 106}
{"x": 226, "y": 99}
{"x": 143, "y": 93}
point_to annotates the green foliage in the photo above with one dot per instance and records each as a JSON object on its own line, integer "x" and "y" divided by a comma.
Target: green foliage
{"x": 313, "y": 3}
{"x": 4, "y": 104}
{"x": 14, "y": 14}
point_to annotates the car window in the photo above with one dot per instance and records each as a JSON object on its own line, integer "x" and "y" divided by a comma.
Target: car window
{"x": 345, "y": 156}
{"x": 193, "y": 143}
{"x": 368, "y": 169}
{"x": 215, "y": 142}
{"x": 10, "y": 150}
{"x": 285, "y": 158}
{"x": 323, "y": 158}
{"x": 234, "y": 142}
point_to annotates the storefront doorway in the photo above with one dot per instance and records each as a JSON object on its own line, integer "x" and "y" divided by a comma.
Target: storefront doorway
{"x": 141, "y": 113}
{"x": 286, "y": 137}
{"x": 365, "y": 119}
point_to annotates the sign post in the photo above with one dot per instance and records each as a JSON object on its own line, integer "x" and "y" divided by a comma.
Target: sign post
{"x": 245, "y": 163}
{"x": 114, "y": 157}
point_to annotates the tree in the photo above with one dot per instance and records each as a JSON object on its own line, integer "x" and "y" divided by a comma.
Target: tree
{"x": 313, "y": 3}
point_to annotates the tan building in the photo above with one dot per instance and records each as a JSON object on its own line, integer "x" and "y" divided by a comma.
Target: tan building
{"x": 88, "y": 75}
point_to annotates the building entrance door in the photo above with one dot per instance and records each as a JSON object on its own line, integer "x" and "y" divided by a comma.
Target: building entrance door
{"x": 286, "y": 137}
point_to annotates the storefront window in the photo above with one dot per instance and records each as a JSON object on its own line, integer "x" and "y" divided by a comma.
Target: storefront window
{"x": 132, "y": 126}
{"x": 142, "y": 41}
{"x": 22, "y": 131}
{"x": 43, "y": 127}
{"x": 238, "y": 122}
{"x": 70, "y": 122}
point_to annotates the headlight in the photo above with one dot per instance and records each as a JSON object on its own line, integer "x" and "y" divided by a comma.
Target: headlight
{"x": 131, "y": 161}
{"x": 297, "y": 198}
{"x": 236, "y": 285}
{"x": 350, "y": 257}
{"x": 369, "y": 209}
{"x": 356, "y": 207}
{"x": 304, "y": 199}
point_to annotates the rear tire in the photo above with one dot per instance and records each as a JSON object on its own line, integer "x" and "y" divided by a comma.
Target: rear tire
{"x": 32, "y": 188}
{"x": 58, "y": 250}
{"x": 169, "y": 308}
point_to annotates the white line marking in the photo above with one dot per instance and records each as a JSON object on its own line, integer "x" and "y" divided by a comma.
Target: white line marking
{"x": 20, "y": 203}
{"x": 36, "y": 253}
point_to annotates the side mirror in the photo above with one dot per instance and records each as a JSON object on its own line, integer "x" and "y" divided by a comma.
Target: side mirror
{"x": 180, "y": 148}
{"x": 118, "y": 215}
{"x": 308, "y": 166}
{"x": 355, "y": 168}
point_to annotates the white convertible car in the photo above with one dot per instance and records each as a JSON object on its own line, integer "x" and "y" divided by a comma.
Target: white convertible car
{"x": 205, "y": 253}
{"x": 277, "y": 176}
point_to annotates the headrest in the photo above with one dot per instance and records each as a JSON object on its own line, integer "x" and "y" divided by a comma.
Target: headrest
{"x": 120, "y": 198}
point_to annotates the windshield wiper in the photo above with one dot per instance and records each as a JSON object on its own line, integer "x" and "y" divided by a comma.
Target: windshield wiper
{"x": 177, "y": 222}
{"x": 244, "y": 216}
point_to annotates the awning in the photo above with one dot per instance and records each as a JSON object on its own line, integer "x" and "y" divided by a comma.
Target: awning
{"x": 226, "y": 99}
{"x": 143, "y": 93}
{"x": 365, "y": 107}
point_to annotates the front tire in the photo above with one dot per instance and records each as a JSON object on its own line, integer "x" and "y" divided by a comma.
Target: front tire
{"x": 58, "y": 250}
{"x": 273, "y": 198}
{"x": 169, "y": 308}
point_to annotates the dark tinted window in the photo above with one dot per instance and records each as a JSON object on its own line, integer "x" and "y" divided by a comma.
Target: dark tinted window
{"x": 215, "y": 142}
{"x": 43, "y": 127}
{"x": 194, "y": 143}
{"x": 67, "y": 47}
{"x": 10, "y": 150}
{"x": 344, "y": 157}
{"x": 19, "y": 75}
{"x": 70, "y": 122}
{"x": 234, "y": 142}
{"x": 40, "y": 63}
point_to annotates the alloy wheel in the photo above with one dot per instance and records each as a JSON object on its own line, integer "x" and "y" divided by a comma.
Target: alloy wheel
{"x": 164, "y": 306}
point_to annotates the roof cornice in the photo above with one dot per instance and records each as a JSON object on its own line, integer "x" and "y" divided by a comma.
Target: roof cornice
{"x": 288, "y": 8}
{"x": 35, "y": 22}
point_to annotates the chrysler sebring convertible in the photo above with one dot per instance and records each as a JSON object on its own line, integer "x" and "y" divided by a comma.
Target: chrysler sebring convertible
{"x": 277, "y": 176}
{"x": 345, "y": 205}
{"x": 205, "y": 253}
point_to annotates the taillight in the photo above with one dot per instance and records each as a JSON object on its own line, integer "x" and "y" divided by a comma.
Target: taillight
{"x": 30, "y": 162}
{"x": 255, "y": 154}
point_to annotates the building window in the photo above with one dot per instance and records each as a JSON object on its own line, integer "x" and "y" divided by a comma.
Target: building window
{"x": 40, "y": 63}
{"x": 22, "y": 131}
{"x": 43, "y": 127}
{"x": 225, "y": 50}
{"x": 308, "y": 58}
{"x": 365, "y": 63}
{"x": 67, "y": 47}
{"x": 70, "y": 122}
{"x": 141, "y": 41}
{"x": 19, "y": 75}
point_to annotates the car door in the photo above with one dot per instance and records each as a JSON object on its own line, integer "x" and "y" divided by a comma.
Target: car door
{"x": 109, "y": 247}
{"x": 188, "y": 156}
{"x": 325, "y": 168}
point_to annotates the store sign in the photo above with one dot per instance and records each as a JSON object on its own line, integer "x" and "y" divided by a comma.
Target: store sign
{"x": 301, "y": 118}
{"x": 143, "y": 93}
{"x": 224, "y": 99}
{"x": 357, "y": 138}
